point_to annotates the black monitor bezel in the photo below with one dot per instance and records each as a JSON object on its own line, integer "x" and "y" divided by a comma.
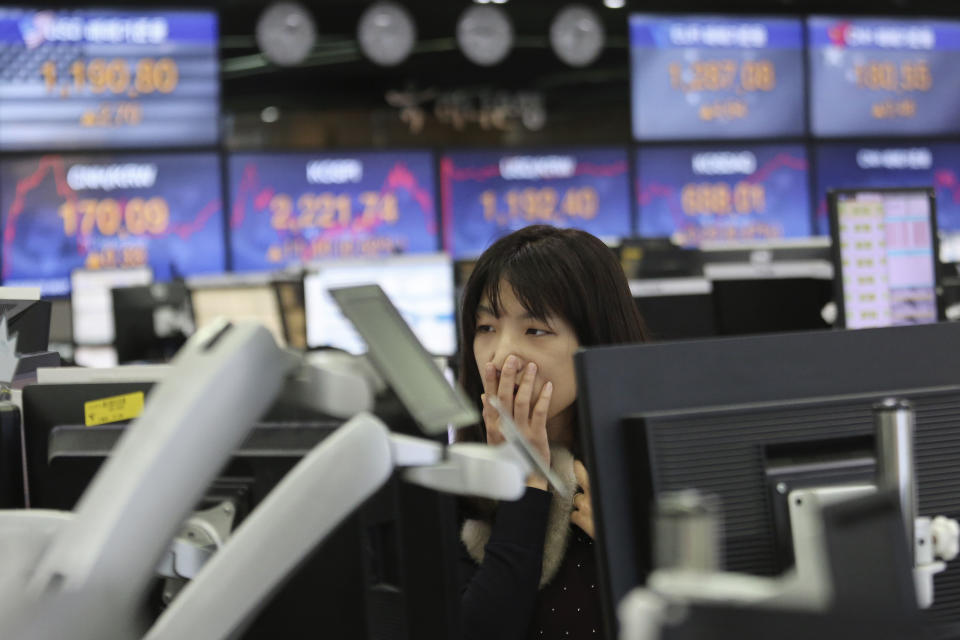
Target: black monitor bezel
{"x": 833, "y": 196}
{"x": 615, "y": 382}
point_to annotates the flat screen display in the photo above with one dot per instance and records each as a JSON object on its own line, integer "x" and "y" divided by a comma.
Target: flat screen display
{"x": 92, "y": 305}
{"x": 885, "y": 255}
{"x": 891, "y": 165}
{"x": 890, "y": 76}
{"x": 433, "y": 402}
{"x": 93, "y": 79}
{"x": 488, "y": 194}
{"x": 239, "y": 303}
{"x": 946, "y": 185}
{"x": 421, "y": 287}
{"x": 294, "y": 208}
{"x": 703, "y": 77}
{"x": 61, "y": 213}
{"x": 723, "y": 194}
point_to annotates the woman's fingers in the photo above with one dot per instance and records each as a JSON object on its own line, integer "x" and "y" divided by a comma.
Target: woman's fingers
{"x": 536, "y": 431}
{"x": 538, "y": 419}
{"x": 508, "y": 381}
{"x": 582, "y": 515}
{"x": 584, "y": 521}
{"x": 524, "y": 398}
{"x": 490, "y": 379}
{"x": 532, "y": 422}
{"x": 580, "y": 473}
{"x": 491, "y": 420}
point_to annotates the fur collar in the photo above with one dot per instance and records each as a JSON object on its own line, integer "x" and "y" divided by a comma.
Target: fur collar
{"x": 476, "y": 533}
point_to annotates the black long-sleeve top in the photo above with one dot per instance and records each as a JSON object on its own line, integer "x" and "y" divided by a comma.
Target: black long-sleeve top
{"x": 500, "y": 597}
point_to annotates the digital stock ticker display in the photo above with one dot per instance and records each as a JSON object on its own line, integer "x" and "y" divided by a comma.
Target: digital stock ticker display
{"x": 487, "y": 194}
{"x": 883, "y": 76}
{"x": 848, "y": 165}
{"x": 61, "y": 213}
{"x": 715, "y": 194}
{"x": 300, "y": 207}
{"x": 716, "y": 77}
{"x": 83, "y": 79}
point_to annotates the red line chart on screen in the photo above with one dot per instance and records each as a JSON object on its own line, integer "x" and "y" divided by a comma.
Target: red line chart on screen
{"x": 55, "y": 167}
{"x": 399, "y": 177}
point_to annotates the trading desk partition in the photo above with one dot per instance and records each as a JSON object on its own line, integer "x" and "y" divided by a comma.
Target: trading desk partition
{"x": 669, "y": 415}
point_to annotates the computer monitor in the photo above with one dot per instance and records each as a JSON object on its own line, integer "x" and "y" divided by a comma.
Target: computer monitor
{"x": 91, "y": 301}
{"x": 770, "y": 305}
{"x": 61, "y": 321}
{"x": 420, "y": 286}
{"x": 668, "y": 287}
{"x": 712, "y": 413}
{"x": 238, "y": 300}
{"x": 151, "y": 322}
{"x": 403, "y": 361}
{"x": 30, "y": 321}
{"x": 11, "y": 457}
{"x": 885, "y": 256}
{"x": 61, "y": 328}
{"x": 872, "y": 599}
{"x": 769, "y": 287}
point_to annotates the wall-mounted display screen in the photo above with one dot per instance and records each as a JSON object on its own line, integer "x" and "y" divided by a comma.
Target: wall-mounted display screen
{"x": 874, "y": 164}
{"x": 723, "y": 194}
{"x": 703, "y": 77}
{"x": 891, "y": 76}
{"x": 293, "y": 208}
{"x": 61, "y": 213}
{"x": 892, "y": 165}
{"x": 884, "y": 254}
{"x": 89, "y": 79}
{"x": 487, "y": 194}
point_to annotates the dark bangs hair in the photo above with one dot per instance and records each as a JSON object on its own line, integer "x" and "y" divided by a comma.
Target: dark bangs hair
{"x": 563, "y": 273}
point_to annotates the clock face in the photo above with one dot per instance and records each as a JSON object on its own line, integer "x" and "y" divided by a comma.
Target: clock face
{"x": 577, "y": 35}
{"x": 386, "y": 33}
{"x": 286, "y": 33}
{"x": 485, "y": 35}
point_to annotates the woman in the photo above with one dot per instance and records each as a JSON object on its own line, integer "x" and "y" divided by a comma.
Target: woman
{"x": 533, "y": 298}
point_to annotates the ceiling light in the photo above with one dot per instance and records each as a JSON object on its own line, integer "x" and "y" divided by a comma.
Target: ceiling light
{"x": 614, "y": 4}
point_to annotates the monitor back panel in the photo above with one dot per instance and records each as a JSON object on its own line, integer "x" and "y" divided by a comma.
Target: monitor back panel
{"x": 727, "y": 452}
{"x": 617, "y": 382}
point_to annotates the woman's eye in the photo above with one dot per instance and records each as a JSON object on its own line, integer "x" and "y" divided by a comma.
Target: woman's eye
{"x": 537, "y": 332}
{"x": 484, "y": 328}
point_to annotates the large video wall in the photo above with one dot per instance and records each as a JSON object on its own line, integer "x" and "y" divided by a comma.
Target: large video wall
{"x": 110, "y": 153}
{"x": 744, "y": 123}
